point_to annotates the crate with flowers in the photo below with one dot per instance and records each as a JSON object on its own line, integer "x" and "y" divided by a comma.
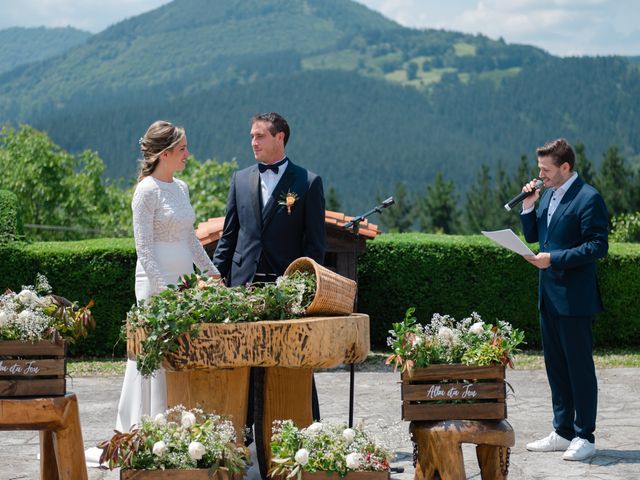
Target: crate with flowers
{"x": 453, "y": 369}
{"x": 35, "y": 326}
{"x": 327, "y": 451}
{"x": 179, "y": 444}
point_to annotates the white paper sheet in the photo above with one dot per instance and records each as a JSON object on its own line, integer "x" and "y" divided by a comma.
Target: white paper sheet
{"x": 510, "y": 240}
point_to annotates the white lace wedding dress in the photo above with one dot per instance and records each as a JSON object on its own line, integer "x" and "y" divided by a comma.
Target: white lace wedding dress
{"x": 167, "y": 247}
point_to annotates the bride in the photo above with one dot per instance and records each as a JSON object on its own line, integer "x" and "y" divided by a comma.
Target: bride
{"x": 166, "y": 247}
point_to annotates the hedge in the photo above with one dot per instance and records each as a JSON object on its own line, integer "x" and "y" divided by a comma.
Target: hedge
{"x": 10, "y": 220}
{"x": 452, "y": 275}
{"x": 101, "y": 269}
{"x": 456, "y": 275}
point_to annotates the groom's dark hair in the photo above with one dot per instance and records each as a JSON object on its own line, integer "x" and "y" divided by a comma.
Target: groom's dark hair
{"x": 278, "y": 124}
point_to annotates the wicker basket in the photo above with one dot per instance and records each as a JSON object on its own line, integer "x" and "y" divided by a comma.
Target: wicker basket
{"x": 335, "y": 294}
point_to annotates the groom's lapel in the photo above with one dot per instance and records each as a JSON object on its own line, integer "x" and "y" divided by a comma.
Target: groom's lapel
{"x": 254, "y": 189}
{"x": 279, "y": 192}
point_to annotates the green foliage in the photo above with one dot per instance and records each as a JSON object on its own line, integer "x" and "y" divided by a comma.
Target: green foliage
{"x": 19, "y": 45}
{"x": 10, "y": 218}
{"x": 625, "y": 228}
{"x": 102, "y": 270}
{"x": 456, "y": 275}
{"x": 55, "y": 188}
{"x": 332, "y": 201}
{"x": 398, "y": 218}
{"x": 438, "y": 210}
{"x": 614, "y": 181}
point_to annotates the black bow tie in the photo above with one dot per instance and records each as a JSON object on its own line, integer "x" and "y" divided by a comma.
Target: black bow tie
{"x": 274, "y": 167}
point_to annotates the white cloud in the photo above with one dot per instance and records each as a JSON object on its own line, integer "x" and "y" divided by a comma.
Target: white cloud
{"x": 91, "y": 15}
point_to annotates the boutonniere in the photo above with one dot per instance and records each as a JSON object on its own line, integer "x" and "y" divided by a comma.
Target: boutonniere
{"x": 287, "y": 200}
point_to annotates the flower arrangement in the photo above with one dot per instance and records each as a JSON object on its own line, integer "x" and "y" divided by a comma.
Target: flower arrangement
{"x": 35, "y": 314}
{"x": 470, "y": 341}
{"x": 324, "y": 447}
{"x": 288, "y": 200}
{"x": 177, "y": 439}
{"x": 197, "y": 299}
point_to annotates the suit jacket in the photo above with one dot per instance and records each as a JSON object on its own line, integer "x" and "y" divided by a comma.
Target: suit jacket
{"x": 576, "y": 237}
{"x": 251, "y": 231}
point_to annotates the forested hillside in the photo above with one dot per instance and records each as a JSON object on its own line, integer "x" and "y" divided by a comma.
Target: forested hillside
{"x": 19, "y": 46}
{"x": 370, "y": 103}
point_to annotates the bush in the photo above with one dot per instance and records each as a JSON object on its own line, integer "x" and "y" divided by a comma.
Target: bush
{"x": 10, "y": 219}
{"x": 102, "y": 269}
{"x": 455, "y": 275}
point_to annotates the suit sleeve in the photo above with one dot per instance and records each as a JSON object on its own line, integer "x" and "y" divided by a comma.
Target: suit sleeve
{"x": 227, "y": 243}
{"x": 594, "y": 222}
{"x": 315, "y": 230}
{"x": 530, "y": 226}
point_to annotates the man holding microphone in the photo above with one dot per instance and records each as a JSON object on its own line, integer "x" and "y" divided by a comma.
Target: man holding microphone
{"x": 570, "y": 223}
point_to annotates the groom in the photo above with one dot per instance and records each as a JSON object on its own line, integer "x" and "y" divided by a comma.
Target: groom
{"x": 275, "y": 214}
{"x": 275, "y": 211}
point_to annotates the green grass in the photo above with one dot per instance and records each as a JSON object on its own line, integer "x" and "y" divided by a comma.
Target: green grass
{"x": 529, "y": 360}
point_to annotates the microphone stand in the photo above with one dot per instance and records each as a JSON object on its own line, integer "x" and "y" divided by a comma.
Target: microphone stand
{"x": 354, "y": 227}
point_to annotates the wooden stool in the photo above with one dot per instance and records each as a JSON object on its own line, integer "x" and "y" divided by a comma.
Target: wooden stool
{"x": 440, "y": 452}
{"x": 57, "y": 418}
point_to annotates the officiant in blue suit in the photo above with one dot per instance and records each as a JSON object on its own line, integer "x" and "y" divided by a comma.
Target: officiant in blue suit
{"x": 275, "y": 214}
{"x": 570, "y": 224}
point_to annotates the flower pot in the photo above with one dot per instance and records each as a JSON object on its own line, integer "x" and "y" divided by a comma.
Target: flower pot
{"x": 172, "y": 474}
{"x": 454, "y": 392}
{"x": 32, "y": 369}
{"x": 349, "y": 476}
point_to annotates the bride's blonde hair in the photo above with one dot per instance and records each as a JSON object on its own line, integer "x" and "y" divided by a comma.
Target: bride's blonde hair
{"x": 159, "y": 137}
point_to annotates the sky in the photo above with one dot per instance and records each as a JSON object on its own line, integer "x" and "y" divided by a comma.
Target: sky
{"x": 561, "y": 27}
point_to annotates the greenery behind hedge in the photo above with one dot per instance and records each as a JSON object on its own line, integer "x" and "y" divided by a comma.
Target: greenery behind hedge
{"x": 456, "y": 275}
{"x": 10, "y": 220}
{"x": 435, "y": 273}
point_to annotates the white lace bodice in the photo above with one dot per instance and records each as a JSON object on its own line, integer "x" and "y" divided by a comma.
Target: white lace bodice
{"x": 163, "y": 213}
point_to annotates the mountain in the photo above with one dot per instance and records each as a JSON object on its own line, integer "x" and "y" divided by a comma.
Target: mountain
{"x": 19, "y": 46}
{"x": 370, "y": 102}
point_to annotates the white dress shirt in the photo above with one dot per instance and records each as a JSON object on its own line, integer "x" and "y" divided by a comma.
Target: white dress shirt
{"x": 268, "y": 181}
{"x": 556, "y": 197}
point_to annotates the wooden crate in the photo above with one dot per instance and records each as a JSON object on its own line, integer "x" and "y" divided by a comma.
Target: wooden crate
{"x": 348, "y": 476}
{"x": 172, "y": 474}
{"x": 454, "y": 392}
{"x": 32, "y": 369}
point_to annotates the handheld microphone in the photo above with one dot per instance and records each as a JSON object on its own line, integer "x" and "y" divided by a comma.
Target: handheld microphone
{"x": 522, "y": 195}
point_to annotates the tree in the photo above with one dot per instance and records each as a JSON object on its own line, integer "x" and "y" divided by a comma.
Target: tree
{"x": 615, "y": 183}
{"x": 398, "y": 218}
{"x": 438, "y": 211}
{"x": 482, "y": 209}
{"x": 583, "y": 165}
{"x": 332, "y": 200}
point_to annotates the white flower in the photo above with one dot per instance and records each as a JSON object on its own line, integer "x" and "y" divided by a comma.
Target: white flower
{"x": 349, "y": 435}
{"x": 4, "y": 318}
{"x": 159, "y": 448}
{"x": 188, "y": 419}
{"x": 315, "y": 427}
{"x": 160, "y": 419}
{"x": 477, "y": 328}
{"x": 354, "y": 460}
{"x": 196, "y": 450}
{"x": 302, "y": 456}
{"x": 25, "y": 316}
{"x": 417, "y": 340}
{"x": 446, "y": 334}
{"x": 27, "y": 297}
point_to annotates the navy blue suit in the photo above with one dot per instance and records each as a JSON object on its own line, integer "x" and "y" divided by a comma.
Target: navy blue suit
{"x": 270, "y": 237}
{"x": 569, "y": 299}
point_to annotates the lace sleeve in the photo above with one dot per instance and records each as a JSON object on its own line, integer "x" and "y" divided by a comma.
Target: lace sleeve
{"x": 198, "y": 253}
{"x": 143, "y": 208}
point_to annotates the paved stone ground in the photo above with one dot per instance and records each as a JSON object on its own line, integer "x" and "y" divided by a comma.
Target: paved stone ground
{"x": 377, "y": 404}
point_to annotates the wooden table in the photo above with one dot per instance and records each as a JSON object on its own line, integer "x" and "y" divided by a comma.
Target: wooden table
{"x": 57, "y": 418}
{"x": 212, "y": 370}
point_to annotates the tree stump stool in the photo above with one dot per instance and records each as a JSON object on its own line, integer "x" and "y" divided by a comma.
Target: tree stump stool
{"x": 439, "y": 451}
{"x": 58, "y": 419}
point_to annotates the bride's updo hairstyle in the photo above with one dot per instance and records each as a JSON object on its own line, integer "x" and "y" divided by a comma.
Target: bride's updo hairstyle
{"x": 160, "y": 136}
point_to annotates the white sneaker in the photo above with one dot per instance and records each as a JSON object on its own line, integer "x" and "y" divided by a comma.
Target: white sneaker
{"x": 551, "y": 443}
{"x": 580, "y": 449}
